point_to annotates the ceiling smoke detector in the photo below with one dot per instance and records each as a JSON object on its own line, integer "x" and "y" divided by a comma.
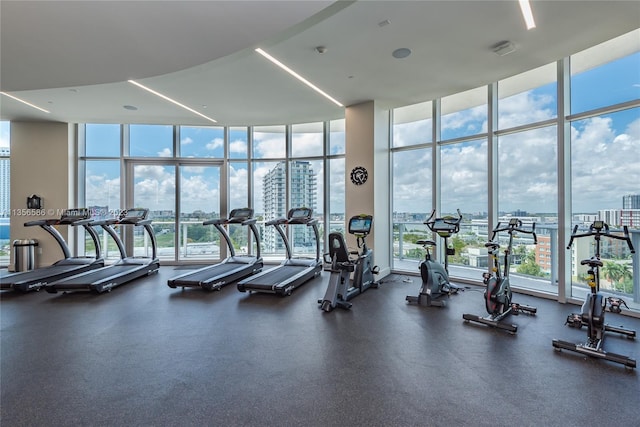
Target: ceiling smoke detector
{"x": 320, "y": 49}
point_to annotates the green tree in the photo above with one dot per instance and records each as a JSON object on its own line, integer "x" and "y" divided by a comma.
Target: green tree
{"x": 529, "y": 265}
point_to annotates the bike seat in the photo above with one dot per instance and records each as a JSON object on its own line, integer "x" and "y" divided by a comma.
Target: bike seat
{"x": 426, "y": 242}
{"x": 492, "y": 245}
{"x": 592, "y": 262}
{"x": 338, "y": 248}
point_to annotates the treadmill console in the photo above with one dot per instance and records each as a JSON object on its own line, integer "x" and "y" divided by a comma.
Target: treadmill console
{"x": 360, "y": 224}
{"x": 133, "y": 215}
{"x": 299, "y": 213}
{"x": 241, "y": 214}
{"x": 77, "y": 214}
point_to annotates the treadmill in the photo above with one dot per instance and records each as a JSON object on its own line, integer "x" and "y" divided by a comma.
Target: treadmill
{"x": 292, "y": 272}
{"x": 34, "y": 280}
{"x": 124, "y": 270}
{"x": 232, "y": 268}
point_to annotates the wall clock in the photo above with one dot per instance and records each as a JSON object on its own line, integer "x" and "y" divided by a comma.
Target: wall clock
{"x": 359, "y": 175}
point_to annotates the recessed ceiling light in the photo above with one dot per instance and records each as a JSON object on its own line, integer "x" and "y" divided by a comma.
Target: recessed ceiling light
{"x": 527, "y": 14}
{"x": 297, "y": 76}
{"x": 173, "y": 101}
{"x": 25, "y": 102}
{"x": 130, "y": 107}
{"x": 403, "y": 52}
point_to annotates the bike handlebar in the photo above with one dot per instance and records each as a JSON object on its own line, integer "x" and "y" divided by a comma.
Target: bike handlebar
{"x": 454, "y": 222}
{"x": 514, "y": 225}
{"x": 600, "y": 228}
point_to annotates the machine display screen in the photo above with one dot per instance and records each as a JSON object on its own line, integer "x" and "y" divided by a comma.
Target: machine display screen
{"x": 136, "y": 213}
{"x": 441, "y": 224}
{"x": 242, "y": 213}
{"x": 359, "y": 225}
{"x": 300, "y": 213}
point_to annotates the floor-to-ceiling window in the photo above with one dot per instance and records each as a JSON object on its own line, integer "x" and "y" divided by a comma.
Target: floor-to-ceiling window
{"x": 506, "y": 159}
{"x": 5, "y": 177}
{"x": 186, "y": 175}
{"x": 412, "y": 195}
{"x": 605, "y": 154}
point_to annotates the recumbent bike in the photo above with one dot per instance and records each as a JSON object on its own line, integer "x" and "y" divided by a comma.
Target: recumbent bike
{"x": 341, "y": 288}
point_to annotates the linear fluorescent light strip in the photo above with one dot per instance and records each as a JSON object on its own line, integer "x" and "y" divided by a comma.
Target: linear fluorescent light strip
{"x": 25, "y": 102}
{"x": 166, "y": 98}
{"x": 297, "y": 76}
{"x": 525, "y": 7}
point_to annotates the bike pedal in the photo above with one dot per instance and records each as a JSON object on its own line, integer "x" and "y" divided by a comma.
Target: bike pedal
{"x": 574, "y": 320}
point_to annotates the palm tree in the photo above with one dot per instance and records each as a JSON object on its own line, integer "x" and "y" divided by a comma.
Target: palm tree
{"x": 614, "y": 272}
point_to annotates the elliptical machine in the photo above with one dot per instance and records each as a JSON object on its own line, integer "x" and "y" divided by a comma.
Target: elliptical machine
{"x": 497, "y": 296}
{"x": 341, "y": 288}
{"x": 435, "y": 276}
{"x": 595, "y": 304}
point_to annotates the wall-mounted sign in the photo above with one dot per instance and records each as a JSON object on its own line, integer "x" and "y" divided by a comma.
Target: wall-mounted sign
{"x": 359, "y": 175}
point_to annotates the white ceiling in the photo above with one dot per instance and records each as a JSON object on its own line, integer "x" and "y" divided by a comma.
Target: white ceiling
{"x": 74, "y": 58}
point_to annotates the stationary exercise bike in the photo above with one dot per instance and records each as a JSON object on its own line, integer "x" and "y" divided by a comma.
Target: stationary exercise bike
{"x": 341, "y": 288}
{"x": 435, "y": 276}
{"x": 595, "y": 304}
{"x": 498, "y": 294}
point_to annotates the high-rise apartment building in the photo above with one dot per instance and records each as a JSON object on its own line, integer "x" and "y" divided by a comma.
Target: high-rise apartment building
{"x": 631, "y": 201}
{"x": 303, "y": 193}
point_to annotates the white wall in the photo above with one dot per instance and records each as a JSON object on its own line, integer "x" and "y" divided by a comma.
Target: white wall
{"x": 367, "y": 145}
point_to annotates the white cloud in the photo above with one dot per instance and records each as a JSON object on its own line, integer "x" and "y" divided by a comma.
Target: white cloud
{"x": 215, "y": 143}
{"x": 269, "y": 145}
{"x": 186, "y": 141}
{"x": 238, "y": 146}
{"x": 166, "y": 152}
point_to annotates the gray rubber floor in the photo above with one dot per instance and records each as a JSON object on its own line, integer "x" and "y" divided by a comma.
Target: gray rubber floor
{"x": 148, "y": 355}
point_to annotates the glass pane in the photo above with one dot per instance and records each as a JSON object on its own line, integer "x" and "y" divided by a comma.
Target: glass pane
{"x": 412, "y": 125}
{"x": 464, "y": 181}
{"x": 269, "y": 142}
{"x": 201, "y": 141}
{"x": 102, "y": 196}
{"x": 604, "y": 163}
{"x": 5, "y": 165}
{"x": 464, "y": 114}
{"x": 336, "y": 194}
{"x": 529, "y": 97}
{"x": 306, "y": 180}
{"x": 269, "y": 202}
{"x": 238, "y": 142}
{"x": 151, "y": 141}
{"x": 154, "y": 187}
{"x": 411, "y": 205}
{"x": 606, "y": 74}
{"x": 336, "y": 137}
{"x": 527, "y": 188}
{"x": 199, "y": 201}
{"x": 238, "y": 185}
{"x": 307, "y": 140}
{"x": 102, "y": 140}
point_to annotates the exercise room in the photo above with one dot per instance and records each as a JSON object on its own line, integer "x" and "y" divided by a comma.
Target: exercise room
{"x": 319, "y": 213}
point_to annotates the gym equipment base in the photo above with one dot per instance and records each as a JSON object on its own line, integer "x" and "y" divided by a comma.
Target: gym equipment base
{"x": 497, "y": 322}
{"x": 592, "y": 352}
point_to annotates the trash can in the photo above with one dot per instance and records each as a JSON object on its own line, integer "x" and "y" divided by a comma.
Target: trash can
{"x": 24, "y": 254}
